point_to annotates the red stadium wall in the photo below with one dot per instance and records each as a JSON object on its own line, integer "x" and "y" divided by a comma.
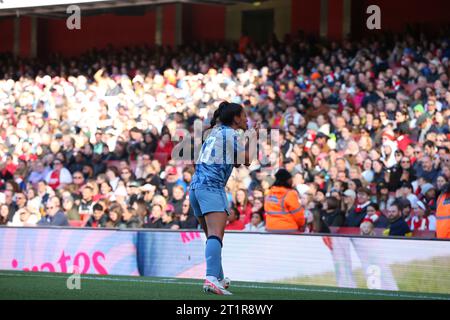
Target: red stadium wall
{"x": 7, "y": 35}
{"x": 25, "y": 37}
{"x": 203, "y": 22}
{"x": 199, "y": 23}
{"x": 305, "y": 16}
{"x": 335, "y": 19}
{"x": 169, "y": 25}
{"x": 95, "y": 32}
{"x": 396, "y": 15}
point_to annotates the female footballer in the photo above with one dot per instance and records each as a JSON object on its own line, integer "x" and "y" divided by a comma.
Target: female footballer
{"x": 221, "y": 151}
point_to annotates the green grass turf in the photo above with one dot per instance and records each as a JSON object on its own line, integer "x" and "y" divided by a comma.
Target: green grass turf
{"x": 421, "y": 275}
{"x": 37, "y": 286}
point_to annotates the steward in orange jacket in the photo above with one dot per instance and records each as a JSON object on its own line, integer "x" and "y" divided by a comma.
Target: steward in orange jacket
{"x": 282, "y": 207}
{"x": 443, "y": 214}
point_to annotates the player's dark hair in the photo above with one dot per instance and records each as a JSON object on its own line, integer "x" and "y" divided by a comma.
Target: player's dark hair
{"x": 226, "y": 113}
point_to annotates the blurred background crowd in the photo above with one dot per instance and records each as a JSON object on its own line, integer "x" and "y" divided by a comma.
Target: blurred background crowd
{"x": 88, "y": 141}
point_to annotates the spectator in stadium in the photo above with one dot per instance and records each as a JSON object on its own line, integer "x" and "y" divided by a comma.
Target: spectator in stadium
{"x": 420, "y": 220}
{"x": 405, "y": 209}
{"x": 98, "y": 219}
{"x": 106, "y": 191}
{"x": 4, "y": 212}
{"x": 24, "y": 218}
{"x": 186, "y": 220}
{"x": 377, "y": 218}
{"x": 441, "y": 181}
{"x": 69, "y": 208}
{"x": 44, "y": 191}
{"x": 161, "y": 201}
{"x": 38, "y": 173}
{"x": 154, "y": 220}
{"x": 258, "y": 206}
{"x": 169, "y": 220}
{"x": 348, "y": 201}
{"x": 383, "y": 197}
{"x": 127, "y": 176}
{"x": 234, "y": 222}
{"x": 9, "y": 201}
{"x": 397, "y": 226}
{"x": 115, "y": 216}
{"x": 330, "y": 216}
{"x": 54, "y": 216}
{"x": 429, "y": 195}
{"x": 177, "y": 200}
{"x": 149, "y": 191}
{"x": 140, "y": 206}
{"x": 243, "y": 206}
{"x": 33, "y": 200}
{"x": 21, "y": 200}
{"x": 256, "y": 223}
{"x": 59, "y": 177}
{"x": 85, "y": 209}
{"x": 112, "y": 176}
{"x": 427, "y": 170}
{"x": 282, "y": 206}
{"x": 165, "y": 145}
{"x": 356, "y": 215}
{"x": 406, "y": 193}
{"x": 131, "y": 219}
{"x": 367, "y": 227}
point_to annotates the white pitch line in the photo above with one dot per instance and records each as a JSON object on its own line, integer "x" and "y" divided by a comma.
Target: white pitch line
{"x": 176, "y": 281}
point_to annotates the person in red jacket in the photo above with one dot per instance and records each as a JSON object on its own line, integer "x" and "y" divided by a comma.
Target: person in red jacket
{"x": 234, "y": 223}
{"x": 243, "y": 206}
{"x": 165, "y": 145}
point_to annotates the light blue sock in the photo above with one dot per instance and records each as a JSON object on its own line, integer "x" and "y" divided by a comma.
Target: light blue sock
{"x": 213, "y": 255}
{"x": 221, "y": 275}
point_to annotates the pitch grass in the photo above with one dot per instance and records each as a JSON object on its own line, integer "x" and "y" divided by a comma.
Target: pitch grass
{"x": 44, "y": 286}
{"x": 422, "y": 275}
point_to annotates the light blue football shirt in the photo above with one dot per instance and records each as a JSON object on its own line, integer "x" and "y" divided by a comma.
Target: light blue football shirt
{"x": 217, "y": 158}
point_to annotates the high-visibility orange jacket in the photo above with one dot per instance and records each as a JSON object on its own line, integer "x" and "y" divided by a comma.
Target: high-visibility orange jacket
{"x": 283, "y": 210}
{"x": 443, "y": 217}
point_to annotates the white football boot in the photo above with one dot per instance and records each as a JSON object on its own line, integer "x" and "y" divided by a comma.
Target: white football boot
{"x": 212, "y": 285}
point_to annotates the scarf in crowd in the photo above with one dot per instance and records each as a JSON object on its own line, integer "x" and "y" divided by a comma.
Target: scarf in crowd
{"x": 54, "y": 179}
{"x": 360, "y": 207}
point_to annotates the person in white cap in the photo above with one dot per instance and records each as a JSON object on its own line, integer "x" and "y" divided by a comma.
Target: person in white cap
{"x": 420, "y": 221}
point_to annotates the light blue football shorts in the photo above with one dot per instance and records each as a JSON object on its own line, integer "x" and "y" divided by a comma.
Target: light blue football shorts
{"x": 205, "y": 200}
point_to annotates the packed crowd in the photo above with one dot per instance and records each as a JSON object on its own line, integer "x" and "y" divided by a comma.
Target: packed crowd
{"x": 88, "y": 141}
